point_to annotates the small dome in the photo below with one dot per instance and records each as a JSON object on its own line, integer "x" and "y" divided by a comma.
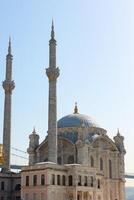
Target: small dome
{"x": 77, "y": 120}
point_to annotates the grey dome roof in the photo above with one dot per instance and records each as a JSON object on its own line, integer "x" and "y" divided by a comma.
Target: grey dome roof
{"x": 77, "y": 120}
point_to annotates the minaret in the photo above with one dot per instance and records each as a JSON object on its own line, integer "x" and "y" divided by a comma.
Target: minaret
{"x": 8, "y": 86}
{"x": 52, "y": 73}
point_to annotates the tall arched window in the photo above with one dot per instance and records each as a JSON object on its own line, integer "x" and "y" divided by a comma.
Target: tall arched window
{"x": 63, "y": 180}
{"x": 92, "y": 161}
{"x": 35, "y": 180}
{"x": 92, "y": 181}
{"x": 70, "y": 180}
{"x": 58, "y": 179}
{"x": 42, "y": 179}
{"x": 110, "y": 169}
{"x": 101, "y": 164}
{"x": 53, "y": 179}
{"x": 98, "y": 184}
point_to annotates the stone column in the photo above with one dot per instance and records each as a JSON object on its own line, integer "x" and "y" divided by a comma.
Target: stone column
{"x": 52, "y": 74}
{"x": 8, "y": 86}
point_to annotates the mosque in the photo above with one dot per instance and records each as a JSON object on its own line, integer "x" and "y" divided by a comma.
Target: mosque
{"x": 76, "y": 161}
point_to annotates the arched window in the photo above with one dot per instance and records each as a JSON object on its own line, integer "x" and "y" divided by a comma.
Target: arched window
{"x": 2, "y": 186}
{"x": 70, "y": 159}
{"x": 35, "y": 180}
{"x": 18, "y": 187}
{"x": 92, "y": 181}
{"x": 110, "y": 169}
{"x": 70, "y": 180}
{"x": 101, "y": 164}
{"x": 27, "y": 180}
{"x": 98, "y": 184}
{"x": 42, "y": 179}
{"x": 79, "y": 180}
{"x": 85, "y": 180}
{"x": 92, "y": 161}
{"x": 59, "y": 161}
{"x": 53, "y": 179}
{"x": 58, "y": 179}
{"x": 63, "y": 180}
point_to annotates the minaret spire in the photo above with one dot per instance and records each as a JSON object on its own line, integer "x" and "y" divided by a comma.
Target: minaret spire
{"x": 8, "y": 86}
{"x": 52, "y": 73}
{"x": 52, "y": 30}
{"x": 9, "y": 46}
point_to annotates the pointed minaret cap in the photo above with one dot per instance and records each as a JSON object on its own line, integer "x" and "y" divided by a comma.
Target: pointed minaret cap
{"x": 9, "y": 46}
{"x": 76, "y": 109}
{"x": 52, "y": 30}
{"x": 118, "y": 132}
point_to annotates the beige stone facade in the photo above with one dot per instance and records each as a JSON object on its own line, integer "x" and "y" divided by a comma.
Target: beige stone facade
{"x": 77, "y": 160}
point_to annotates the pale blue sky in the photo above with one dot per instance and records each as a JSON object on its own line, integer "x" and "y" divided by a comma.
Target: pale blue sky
{"x": 95, "y": 53}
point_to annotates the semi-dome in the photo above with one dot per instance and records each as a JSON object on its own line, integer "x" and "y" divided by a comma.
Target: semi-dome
{"x": 77, "y": 120}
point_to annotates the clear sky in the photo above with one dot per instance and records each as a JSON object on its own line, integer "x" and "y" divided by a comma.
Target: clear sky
{"x": 95, "y": 53}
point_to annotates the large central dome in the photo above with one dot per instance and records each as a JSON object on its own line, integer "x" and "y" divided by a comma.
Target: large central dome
{"x": 77, "y": 120}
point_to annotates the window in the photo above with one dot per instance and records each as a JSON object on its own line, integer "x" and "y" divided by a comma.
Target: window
{"x": 98, "y": 183}
{"x": 63, "y": 180}
{"x": 71, "y": 159}
{"x": 53, "y": 179}
{"x": 92, "y": 161}
{"x": 70, "y": 180}
{"x": 92, "y": 181}
{"x": 42, "y": 179}
{"x": 101, "y": 164}
{"x": 27, "y": 180}
{"x": 85, "y": 180}
{"x": 110, "y": 169}
{"x": 59, "y": 161}
{"x": 2, "y": 186}
{"x": 17, "y": 198}
{"x": 78, "y": 197}
{"x": 35, "y": 180}
{"x": 18, "y": 187}
{"x": 58, "y": 179}
{"x": 79, "y": 180}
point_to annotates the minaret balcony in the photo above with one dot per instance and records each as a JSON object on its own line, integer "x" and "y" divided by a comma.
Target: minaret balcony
{"x": 8, "y": 86}
{"x": 52, "y": 73}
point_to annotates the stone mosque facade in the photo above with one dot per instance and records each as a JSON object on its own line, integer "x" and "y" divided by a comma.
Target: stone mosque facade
{"x": 76, "y": 161}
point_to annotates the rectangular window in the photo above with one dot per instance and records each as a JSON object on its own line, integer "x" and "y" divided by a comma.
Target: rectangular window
{"x": 42, "y": 179}
{"x": 27, "y": 180}
{"x": 35, "y": 180}
{"x": 2, "y": 186}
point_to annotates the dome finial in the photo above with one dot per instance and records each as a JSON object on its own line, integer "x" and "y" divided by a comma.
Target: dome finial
{"x": 34, "y": 131}
{"x": 76, "y": 109}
